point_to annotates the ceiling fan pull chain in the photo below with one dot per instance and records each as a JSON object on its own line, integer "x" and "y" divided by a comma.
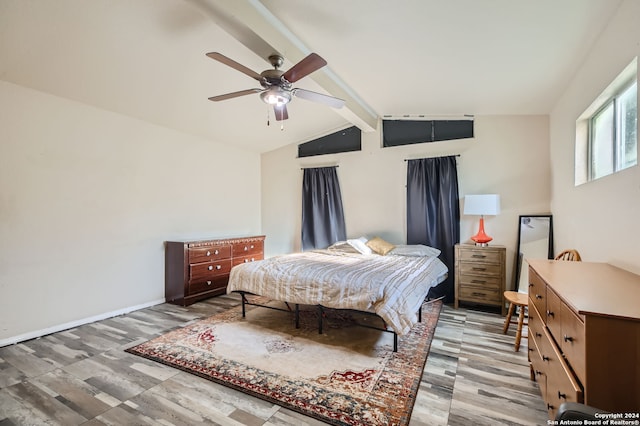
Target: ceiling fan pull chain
{"x": 268, "y": 123}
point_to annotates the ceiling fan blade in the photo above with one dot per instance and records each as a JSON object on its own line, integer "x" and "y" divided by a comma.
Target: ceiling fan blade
{"x": 234, "y": 95}
{"x": 318, "y": 97}
{"x": 233, "y": 64}
{"x": 305, "y": 67}
{"x": 281, "y": 112}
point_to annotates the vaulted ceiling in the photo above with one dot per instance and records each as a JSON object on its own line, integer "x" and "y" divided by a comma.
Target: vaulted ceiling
{"x": 146, "y": 58}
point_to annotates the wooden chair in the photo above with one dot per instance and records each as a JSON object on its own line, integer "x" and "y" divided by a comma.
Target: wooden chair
{"x": 520, "y": 300}
{"x": 570, "y": 255}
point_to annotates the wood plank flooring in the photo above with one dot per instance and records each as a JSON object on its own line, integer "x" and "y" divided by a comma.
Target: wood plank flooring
{"x": 82, "y": 376}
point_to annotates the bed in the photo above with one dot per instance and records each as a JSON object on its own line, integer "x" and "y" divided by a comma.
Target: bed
{"x": 392, "y": 286}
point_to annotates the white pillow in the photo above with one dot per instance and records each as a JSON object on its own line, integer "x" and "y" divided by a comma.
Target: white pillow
{"x": 360, "y": 244}
{"x": 415, "y": 250}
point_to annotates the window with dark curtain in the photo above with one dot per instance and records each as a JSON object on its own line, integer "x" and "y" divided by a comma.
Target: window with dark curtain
{"x": 322, "y": 213}
{"x": 433, "y": 212}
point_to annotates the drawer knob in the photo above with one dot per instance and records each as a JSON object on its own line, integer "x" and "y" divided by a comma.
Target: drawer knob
{"x": 218, "y": 267}
{"x": 208, "y": 282}
{"x": 539, "y": 373}
{"x": 208, "y": 253}
{"x": 246, "y": 248}
{"x": 210, "y": 267}
{"x": 545, "y": 358}
{"x": 216, "y": 252}
{"x": 538, "y": 334}
{"x": 538, "y": 296}
{"x": 562, "y": 395}
{"x": 475, "y": 268}
{"x": 550, "y": 407}
{"x": 550, "y": 313}
{"x": 478, "y": 281}
{"x": 479, "y": 256}
{"x": 251, "y": 245}
{"x": 567, "y": 338}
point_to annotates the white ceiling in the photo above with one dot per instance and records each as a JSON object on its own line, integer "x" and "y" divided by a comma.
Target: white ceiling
{"x": 146, "y": 58}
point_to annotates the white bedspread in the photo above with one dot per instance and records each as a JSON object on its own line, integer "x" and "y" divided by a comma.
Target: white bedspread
{"x": 392, "y": 286}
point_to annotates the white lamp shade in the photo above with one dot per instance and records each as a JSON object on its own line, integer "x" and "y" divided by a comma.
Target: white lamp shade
{"x": 482, "y": 205}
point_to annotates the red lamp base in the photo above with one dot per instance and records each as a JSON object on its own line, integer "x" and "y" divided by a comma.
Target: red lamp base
{"x": 481, "y": 239}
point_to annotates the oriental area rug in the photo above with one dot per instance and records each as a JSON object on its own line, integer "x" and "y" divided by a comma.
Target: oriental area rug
{"x": 348, "y": 375}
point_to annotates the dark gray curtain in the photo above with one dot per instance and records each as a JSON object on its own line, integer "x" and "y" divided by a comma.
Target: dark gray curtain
{"x": 322, "y": 215}
{"x": 433, "y": 212}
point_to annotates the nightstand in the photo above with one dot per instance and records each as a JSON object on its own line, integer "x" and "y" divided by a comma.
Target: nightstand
{"x": 480, "y": 275}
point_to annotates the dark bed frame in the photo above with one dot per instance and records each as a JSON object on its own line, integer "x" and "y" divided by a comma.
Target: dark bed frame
{"x": 321, "y": 309}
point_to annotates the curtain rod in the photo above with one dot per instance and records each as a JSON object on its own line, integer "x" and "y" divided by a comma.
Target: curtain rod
{"x": 439, "y": 156}
{"x": 318, "y": 167}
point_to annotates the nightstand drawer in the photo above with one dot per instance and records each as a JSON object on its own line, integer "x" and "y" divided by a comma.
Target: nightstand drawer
{"x": 480, "y": 294}
{"x": 480, "y": 281}
{"x": 468, "y": 268}
{"x": 480, "y": 255}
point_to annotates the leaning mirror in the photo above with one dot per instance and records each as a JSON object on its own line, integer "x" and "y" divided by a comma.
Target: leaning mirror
{"x": 535, "y": 240}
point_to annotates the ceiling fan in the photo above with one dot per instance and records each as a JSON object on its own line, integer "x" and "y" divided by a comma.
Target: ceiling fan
{"x": 276, "y": 84}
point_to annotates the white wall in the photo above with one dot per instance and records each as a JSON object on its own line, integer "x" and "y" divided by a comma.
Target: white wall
{"x": 599, "y": 218}
{"x": 509, "y": 155}
{"x": 87, "y": 198}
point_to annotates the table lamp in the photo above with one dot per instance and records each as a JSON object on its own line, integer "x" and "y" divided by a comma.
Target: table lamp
{"x": 485, "y": 204}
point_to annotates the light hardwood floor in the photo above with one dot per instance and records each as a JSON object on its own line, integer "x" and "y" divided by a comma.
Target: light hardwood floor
{"x": 83, "y": 376}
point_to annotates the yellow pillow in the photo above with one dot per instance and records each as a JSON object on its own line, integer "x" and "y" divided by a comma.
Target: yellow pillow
{"x": 380, "y": 246}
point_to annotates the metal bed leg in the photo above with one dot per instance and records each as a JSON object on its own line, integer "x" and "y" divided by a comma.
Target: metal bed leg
{"x": 420, "y": 314}
{"x": 395, "y": 341}
{"x": 244, "y": 301}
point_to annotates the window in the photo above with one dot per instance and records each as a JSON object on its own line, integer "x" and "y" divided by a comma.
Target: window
{"x": 408, "y": 132}
{"x": 607, "y": 132}
{"x": 346, "y": 140}
{"x": 613, "y": 141}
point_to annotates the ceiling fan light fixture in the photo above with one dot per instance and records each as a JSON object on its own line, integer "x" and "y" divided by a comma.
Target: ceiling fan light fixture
{"x": 276, "y": 96}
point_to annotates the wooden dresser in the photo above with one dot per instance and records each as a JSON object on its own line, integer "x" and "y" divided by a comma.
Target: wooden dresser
{"x": 584, "y": 334}
{"x": 480, "y": 275}
{"x": 196, "y": 270}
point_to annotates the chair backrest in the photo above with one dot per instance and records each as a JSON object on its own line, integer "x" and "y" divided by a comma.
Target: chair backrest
{"x": 570, "y": 255}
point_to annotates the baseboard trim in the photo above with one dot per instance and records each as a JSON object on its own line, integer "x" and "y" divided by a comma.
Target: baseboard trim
{"x": 66, "y": 326}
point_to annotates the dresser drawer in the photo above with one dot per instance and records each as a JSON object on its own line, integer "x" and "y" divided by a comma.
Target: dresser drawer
{"x": 205, "y": 271}
{"x": 209, "y": 254}
{"x": 213, "y": 283}
{"x": 537, "y": 291}
{"x": 248, "y": 248}
{"x": 480, "y": 294}
{"x": 553, "y": 316}
{"x": 483, "y": 269}
{"x": 247, "y": 259}
{"x": 538, "y": 367}
{"x": 480, "y": 255}
{"x": 561, "y": 384}
{"x": 573, "y": 342}
{"x": 536, "y": 325}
